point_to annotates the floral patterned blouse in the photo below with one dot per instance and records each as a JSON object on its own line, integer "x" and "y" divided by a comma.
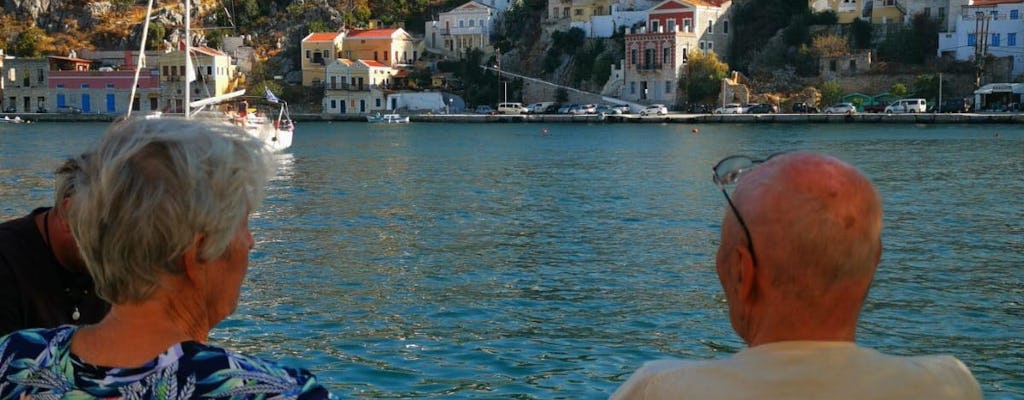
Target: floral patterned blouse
{"x": 38, "y": 364}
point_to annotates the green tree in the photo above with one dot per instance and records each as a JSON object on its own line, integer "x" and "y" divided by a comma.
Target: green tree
{"x": 914, "y": 44}
{"x": 704, "y": 76}
{"x": 552, "y": 60}
{"x": 316, "y": 26}
{"x": 561, "y": 95}
{"x": 568, "y": 41}
{"x": 927, "y": 86}
{"x": 898, "y": 90}
{"x": 28, "y": 42}
{"x": 155, "y": 37}
{"x": 602, "y": 68}
{"x": 121, "y": 6}
{"x": 860, "y": 34}
{"x": 755, "y": 22}
{"x": 831, "y": 92}
{"x": 830, "y": 46}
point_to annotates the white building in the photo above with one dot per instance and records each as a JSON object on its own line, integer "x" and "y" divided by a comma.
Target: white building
{"x": 993, "y": 27}
{"x": 466, "y": 27}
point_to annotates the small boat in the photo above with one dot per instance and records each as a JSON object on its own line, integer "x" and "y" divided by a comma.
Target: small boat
{"x": 15, "y": 120}
{"x": 387, "y": 119}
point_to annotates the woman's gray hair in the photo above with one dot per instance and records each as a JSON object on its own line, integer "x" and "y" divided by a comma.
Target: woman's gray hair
{"x": 150, "y": 187}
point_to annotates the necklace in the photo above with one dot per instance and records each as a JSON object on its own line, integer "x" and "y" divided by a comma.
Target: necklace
{"x": 75, "y": 315}
{"x": 46, "y": 228}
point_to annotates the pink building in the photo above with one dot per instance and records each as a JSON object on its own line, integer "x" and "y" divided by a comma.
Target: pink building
{"x": 657, "y": 52}
{"x": 72, "y": 84}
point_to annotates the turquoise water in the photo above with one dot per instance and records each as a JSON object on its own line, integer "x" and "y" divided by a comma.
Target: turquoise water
{"x": 495, "y": 261}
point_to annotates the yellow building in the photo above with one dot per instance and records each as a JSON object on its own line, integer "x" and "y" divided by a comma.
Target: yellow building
{"x": 887, "y": 12}
{"x": 318, "y": 50}
{"x": 584, "y": 10}
{"x": 213, "y": 76}
{"x": 877, "y": 11}
{"x": 464, "y": 28}
{"x": 356, "y": 86}
{"x": 392, "y": 47}
{"x": 847, "y": 10}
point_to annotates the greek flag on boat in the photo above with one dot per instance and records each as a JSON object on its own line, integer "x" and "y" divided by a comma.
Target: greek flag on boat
{"x": 270, "y": 96}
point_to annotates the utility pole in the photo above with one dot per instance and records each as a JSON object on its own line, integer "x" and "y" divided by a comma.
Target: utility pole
{"x": 981, "y": 23}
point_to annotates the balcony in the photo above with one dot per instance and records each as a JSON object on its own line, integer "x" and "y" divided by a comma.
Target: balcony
{"x": 472, "y": 30}
{"x": 353, "y": 87}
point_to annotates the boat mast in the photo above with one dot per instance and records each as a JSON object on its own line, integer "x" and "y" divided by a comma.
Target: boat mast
{"x": 188, "y": 55}
{"x": 141, "y": 60}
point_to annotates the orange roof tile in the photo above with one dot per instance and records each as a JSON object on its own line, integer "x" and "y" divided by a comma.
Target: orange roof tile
{"x": 372, "y": 33}
{"x": 321, "y": 37}
{"x": 374, "y": 63}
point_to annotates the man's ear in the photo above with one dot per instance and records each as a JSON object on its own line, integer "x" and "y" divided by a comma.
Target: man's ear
{"x": 63, "y": 214}
{"x": 746, "y": 274}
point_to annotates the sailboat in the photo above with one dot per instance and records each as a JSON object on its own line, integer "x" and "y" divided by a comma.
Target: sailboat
{"x": 276, "y": 133}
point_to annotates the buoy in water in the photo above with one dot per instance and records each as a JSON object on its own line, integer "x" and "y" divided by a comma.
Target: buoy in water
{"x": 694, "y": 131}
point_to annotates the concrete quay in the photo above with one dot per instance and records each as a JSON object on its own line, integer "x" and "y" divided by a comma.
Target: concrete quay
{"x": 922, "y": 118}
{"x": 913, "y": 118}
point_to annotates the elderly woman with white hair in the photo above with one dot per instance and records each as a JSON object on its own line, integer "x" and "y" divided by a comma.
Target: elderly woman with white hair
{"x": 161, "y": 218}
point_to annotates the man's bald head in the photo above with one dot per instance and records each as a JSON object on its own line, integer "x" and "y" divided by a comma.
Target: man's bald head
{"x": 816, "y": 222}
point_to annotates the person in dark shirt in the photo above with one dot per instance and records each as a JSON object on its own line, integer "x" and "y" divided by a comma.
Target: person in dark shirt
{"x": 43, "y": 280}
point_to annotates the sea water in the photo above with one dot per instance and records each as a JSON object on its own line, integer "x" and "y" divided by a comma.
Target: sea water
{"x": 551, "y": 260}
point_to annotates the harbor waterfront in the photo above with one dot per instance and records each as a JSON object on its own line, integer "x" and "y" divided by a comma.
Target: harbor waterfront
{"x": 550, "y": 260}
{"x": 873, "y": 118}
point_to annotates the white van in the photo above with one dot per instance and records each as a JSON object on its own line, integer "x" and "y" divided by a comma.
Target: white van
{"x": 907, "y": 106}
{"x": 511, "y": 108}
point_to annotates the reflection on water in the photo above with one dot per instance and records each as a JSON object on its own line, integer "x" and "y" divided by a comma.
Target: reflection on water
{"x": 490, "y": 261}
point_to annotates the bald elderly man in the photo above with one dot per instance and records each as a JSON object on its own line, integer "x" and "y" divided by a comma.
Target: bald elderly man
{"x": 799, "y": 246}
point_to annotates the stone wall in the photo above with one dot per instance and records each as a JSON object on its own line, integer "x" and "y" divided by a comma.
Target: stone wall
{"x": 954, "y": 85}
{"x": 535, "y": 91}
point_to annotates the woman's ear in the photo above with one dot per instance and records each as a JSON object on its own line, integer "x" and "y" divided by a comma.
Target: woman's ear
{"x": 192, "y": 263}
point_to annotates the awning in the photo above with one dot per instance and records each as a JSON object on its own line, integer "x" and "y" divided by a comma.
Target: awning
{"x": 1001, "y": 88}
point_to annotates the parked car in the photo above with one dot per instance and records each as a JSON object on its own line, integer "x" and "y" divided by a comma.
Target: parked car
{"x": 607, "y": 110}
{"x": 10, "y": 109}
{"x": 41, "y": 109}
{"x": 69, "y": 110}
{"x": 539, "y": 108}
{"x": 841, "y": 108}
{"x": 656, "y": 109}
{"x": 801, "y": 107}
{"x": 552, "y": 109}
{"x": 564, "y": 109}
{"x": 623, "y": 108}
{"x": 580, "y": 109}
{"x": 955, "y": 106}
{"x": 874, "y": 108}
{"x": 907, "y": 106}
{"x": 512, "y": 108}
{"x": 731, "y": 108}
{"x": 484, "y": 110}
{"x": 761, "y": 108}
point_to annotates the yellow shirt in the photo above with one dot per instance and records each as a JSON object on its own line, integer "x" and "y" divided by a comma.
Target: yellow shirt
{"x": 804, "y": 370}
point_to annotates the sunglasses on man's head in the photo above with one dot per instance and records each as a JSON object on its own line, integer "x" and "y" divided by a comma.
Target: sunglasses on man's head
{"x": 727, "y": 172}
